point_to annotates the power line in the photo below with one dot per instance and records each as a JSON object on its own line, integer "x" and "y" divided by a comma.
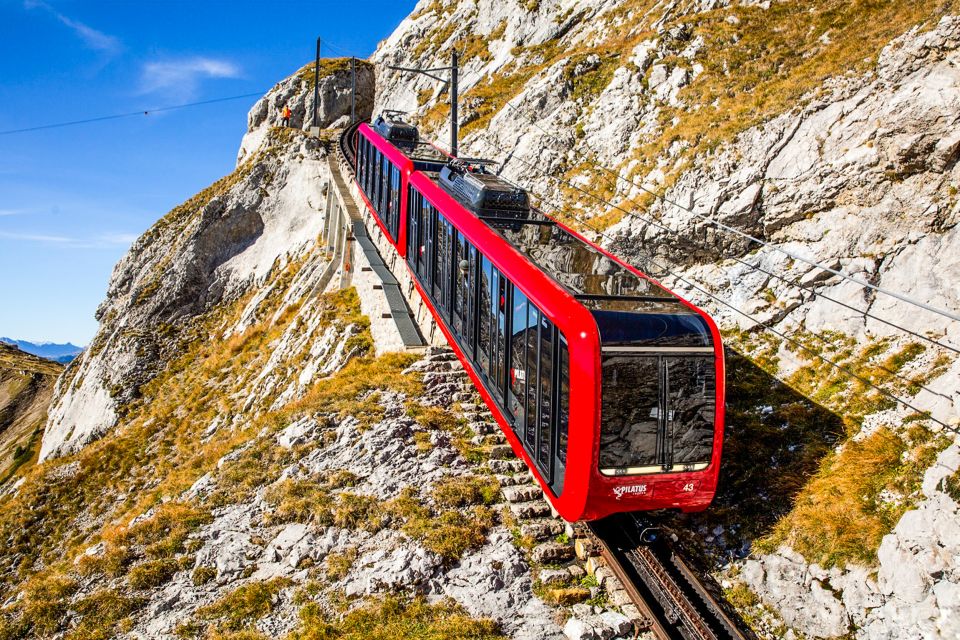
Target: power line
{"x": 783, "y": 336}
{"x": 729, "y": 229}
{"x": 130, "y": 114}
{"x": 792, "y": 282}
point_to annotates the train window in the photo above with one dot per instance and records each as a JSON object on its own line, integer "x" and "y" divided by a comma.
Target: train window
{"x": 499, "y": 358}
{"x": 462, "y": 286}
{"x": 516, "y": 398}
{"x": 384, "y": 203}
{"x": 691, "y": 396}
{"x": 563, "y": 420}
{"x": 448, "y": 266}
{"x": 669, "y": 424}
{"x": 483, "y": 315}
{"x": 533, "y": 322}
{"x": 412, "y": 226}
{"x": 471, "y": 312}
{"x": 429, "y": 230}
{"x": 395, "y": 201}
{"x": 440, "y": 265}
{"x": 546, "y": 391}
{"x": 630, "y": 415}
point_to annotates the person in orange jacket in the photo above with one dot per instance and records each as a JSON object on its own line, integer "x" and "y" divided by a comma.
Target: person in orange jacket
{"x": 285, "y": 116}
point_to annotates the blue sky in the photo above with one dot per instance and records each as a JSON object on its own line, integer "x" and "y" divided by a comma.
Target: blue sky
{"x": 73, "y": 199}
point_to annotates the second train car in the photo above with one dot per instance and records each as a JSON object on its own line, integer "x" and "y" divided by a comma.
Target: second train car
{"x": 609, "y": 386}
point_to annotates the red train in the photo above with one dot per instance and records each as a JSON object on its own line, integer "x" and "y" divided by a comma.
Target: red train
{"x": 609, "y": 386}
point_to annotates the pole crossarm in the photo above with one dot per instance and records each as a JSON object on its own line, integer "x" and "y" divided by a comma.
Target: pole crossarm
{"x": 426, "y": 72}
{"x": 454, "y": 71}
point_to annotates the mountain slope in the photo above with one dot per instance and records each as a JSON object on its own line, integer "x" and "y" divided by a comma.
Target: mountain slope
{"x": 26, "y": 388}
{"x": 675, "y": 131}
{"x": 62, "y": 353}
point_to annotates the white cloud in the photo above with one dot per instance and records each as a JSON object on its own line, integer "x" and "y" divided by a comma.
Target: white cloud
{"x": 93, "y": 38}
{"x": 182, "y": 77}
{"x": 12, "y": 212}
{"x": 103, "y": 241}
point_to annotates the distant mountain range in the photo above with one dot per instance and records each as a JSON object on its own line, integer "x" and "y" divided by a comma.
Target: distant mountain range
{"x": 51, "y": 351}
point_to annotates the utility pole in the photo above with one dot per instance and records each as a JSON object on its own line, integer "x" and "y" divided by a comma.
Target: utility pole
{"x": 353, "y": 90}
{"x": 316, "y": 85}
{"x": 454, "y": 73}
{"x": 453, "y": 81}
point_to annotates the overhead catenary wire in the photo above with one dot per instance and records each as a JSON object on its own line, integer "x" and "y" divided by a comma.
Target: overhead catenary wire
{"x": 744, "y": 235}
{"x": 783, "y": 336}
{"x": 129, "y": 114}
{"x": 792, "y": 282}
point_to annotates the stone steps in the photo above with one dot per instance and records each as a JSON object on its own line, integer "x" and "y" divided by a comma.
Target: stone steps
{"x": 532, "y": 509}
{"x": 522, "y": 493}
{"x": 541, "y": 529}
{"x": 507, "y": 466}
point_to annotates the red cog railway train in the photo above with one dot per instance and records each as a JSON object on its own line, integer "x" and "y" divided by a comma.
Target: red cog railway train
{"x": 609, "y": 386}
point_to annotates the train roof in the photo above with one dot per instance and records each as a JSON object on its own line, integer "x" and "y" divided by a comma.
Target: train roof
{"x": 629, "y": 309}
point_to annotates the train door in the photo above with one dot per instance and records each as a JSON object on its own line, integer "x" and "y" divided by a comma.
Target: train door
{"x": 563, "y": 415}
{"x": 499, "y": 355}
{"x": 484, "y": 314}
{"x": 517, "y": 387}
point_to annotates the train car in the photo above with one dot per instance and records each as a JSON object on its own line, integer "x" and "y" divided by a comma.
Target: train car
{"x": 608, "y": 385}
{"x": 387, "y": 152}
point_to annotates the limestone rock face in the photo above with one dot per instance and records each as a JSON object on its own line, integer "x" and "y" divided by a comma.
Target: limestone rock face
{"x": 224, "y": 243}
{"x": 859, "y": 176}
{"x": 335, "y": 87}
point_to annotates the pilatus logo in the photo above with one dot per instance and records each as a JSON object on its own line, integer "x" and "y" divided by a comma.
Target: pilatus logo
{"x": 631, "y": 489}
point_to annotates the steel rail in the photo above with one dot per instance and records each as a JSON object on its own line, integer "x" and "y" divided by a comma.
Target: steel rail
{"x": 674, "y": 601}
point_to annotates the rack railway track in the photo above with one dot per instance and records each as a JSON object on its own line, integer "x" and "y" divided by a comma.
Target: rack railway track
{"x": 677, "y": 603}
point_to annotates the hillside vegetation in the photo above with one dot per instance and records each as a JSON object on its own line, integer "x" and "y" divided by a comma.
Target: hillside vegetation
{"x": 26, "y": 388}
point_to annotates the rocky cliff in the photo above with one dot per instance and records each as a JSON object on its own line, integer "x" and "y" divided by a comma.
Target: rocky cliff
{"x": 766, "y": 159}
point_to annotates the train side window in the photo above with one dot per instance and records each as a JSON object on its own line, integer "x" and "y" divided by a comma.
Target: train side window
{"x": 385, "y": 192}
{"x": 411, "y": 227}
{"x": 546, "y": 391}
{"x": 430, "y": 252}
{"x": 395, "y": 201}
{"x": 461, "y": 288}
{"x": 471, "y": 311}
{"x": 484, "y": 313}
{"x": 500, "y": 334}
{"x": 563, "y": 419}
{"x": 533, "y": 322}
{"x": 439, "y": 263}
{"x": 518, "y": 358}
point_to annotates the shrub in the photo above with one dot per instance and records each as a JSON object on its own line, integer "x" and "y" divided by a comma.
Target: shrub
{"x": 203, "y": 575}
{"x": 396, "y": 617}
{"x": 243, "y": 606}
{"x": 152, "y": 573}
{"x": 461, "y": 491}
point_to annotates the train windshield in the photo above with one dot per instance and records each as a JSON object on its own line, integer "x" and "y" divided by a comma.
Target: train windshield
{"x": 657, "y": 414}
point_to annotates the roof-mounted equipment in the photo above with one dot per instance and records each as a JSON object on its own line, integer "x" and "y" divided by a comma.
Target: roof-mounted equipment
{"x": 391, "y": 126}
{"x": 483, "y": 192}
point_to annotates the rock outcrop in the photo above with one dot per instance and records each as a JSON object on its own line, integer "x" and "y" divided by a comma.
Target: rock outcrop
{"x": 336, "y": 98}
{"x": 225, "y": 243}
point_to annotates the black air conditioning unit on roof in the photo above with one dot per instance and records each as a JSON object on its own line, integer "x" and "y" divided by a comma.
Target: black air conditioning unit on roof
{"x": 484, "y": 193}
{"x": 392, "y": 127}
